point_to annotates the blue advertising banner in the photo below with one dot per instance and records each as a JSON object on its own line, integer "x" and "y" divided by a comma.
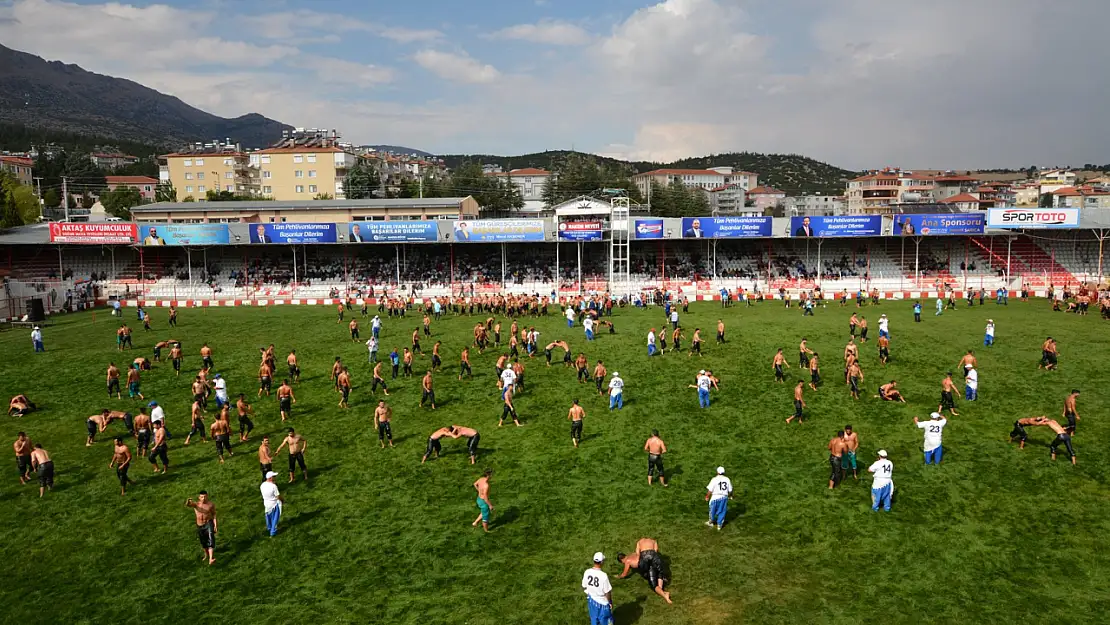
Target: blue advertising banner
{"x": 580, "y": 231}
{"x": 725, "y": 227}
{"x": 649, "y": 229}
{"x": 841, "y": 226}
{"x": 293, "y": 233}
{"x": 499, "y": 230}
{"x": 939, "y": 224}
{"x": 393, "y": 232}
{"x": 185, "y": 234}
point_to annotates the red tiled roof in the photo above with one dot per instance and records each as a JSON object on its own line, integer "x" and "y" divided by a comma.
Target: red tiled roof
{"x": 130, "y": 180}
{"x": 17, "y": 160}
{"x": 1067, "y": 192}
{"x": 962, "y": 198}
{"x": 765, "y": 190}
{"x": 201, "y": 154}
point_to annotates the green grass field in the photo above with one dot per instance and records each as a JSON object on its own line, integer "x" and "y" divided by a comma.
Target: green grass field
{"x": 994, "y": 535}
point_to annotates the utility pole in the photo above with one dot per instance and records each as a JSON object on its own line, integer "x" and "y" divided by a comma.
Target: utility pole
{"x": 38, "y": 186}
{"x": 65, "y": 197}
{"x": 421, "y": 187}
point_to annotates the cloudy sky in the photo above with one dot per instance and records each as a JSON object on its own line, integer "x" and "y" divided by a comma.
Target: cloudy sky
{"x": 858, "y": 83}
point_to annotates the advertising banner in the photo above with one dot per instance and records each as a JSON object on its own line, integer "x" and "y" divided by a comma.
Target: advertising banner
{"x": 185, "y": 234}
{"x": 393, "y": 232}
{"x": 649, "y": 229}
{"x": 939, "y": 224}
{"x": 840, "y": 226}
{"x": 580, "y": 230}
{"x": 499, "y": 230}
{"x": 293, "y": 233}
{"x": 110, "y": 232}
{"x": 1033, "y": 218}
{"x": 725, "y": 227}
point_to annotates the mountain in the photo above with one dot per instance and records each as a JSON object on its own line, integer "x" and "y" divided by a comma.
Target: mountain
{"x": 792, "y": 173}
{"x": 51, "y": 95}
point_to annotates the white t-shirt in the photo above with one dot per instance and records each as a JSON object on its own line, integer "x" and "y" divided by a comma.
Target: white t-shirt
{"x": 616, "y": 385}
{"x": 719, "y": 487}
{"x": 972, "y": 379}
{"x": 157, "y": 414}
{"x": 933, "y": 430}
{"x": 596, "y": 584}
{"x": 588, "y": 323}
{"x": 508, "y": 377}
{"x": 651, "y": 338}
{"x": 704, "y": 382}
{"x": 270, "y": 496}
{"x": 990, "y": 329}
{"x": 376, "y": 323}
{"x": 221, "y": 388}
{"x": 674, "y": 316}
{"x": 372, "y": 344}
{"x": 570, "y": 313}
{"x": 36, "y": 335}
{"x": 883, "y": 470}
{"x": 884, "y": 325}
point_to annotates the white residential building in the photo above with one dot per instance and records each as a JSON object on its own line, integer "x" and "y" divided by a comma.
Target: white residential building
{"x": 706, "y": 179}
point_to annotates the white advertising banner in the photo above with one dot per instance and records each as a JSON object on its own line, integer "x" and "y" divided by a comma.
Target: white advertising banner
{"x": 1033, "y": 218}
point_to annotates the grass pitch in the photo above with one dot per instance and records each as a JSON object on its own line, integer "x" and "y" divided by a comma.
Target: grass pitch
{"x": 992, "y": 535}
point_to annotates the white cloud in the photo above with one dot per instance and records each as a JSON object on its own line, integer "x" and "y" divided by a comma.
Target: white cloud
{"x": 459, "y": 67}
{"x": 338, "y": 71}
{"x": 410, "y": 35}
{"x": 551, "y": 32}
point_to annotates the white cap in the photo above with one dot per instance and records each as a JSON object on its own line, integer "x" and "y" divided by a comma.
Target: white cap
{"x": 882, "y": 453}
{"x": 967, "y": 366}
{"x": 35, "y": 328}
{"x": 599, "y": 558}
{"x": 990, "y": 320}
{"x": 615, "y": 374}
{"x": 720, "y": 470}
{"x": 702, "y": 372}
{"x": 935, "y": 415}
{"x": 270, "y": 474}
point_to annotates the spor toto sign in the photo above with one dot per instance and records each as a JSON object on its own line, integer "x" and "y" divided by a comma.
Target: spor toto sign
{"x": 1033, "y": 218}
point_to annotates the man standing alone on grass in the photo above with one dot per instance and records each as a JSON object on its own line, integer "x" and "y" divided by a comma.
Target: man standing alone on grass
{"x": 206, "y": 524}
{"x": 655, "y": 448}
{"x": 934, "y": 428}
{"x": 616, "y": 392}
{"x": 882, "y": 486}
{"x": 297, "y": 446}
{"x": 575, "y": 414}
{"x": 36, "y": 340}
{"x": 121, "y": 462}
{"x": 599, "y": 592}
{"x": 484, "y": 505}
{"x": 718, "y": 492}
{"x": 272, "y": 501}
{"x": 971, "y": 380}
{"x": 988, "y": 338}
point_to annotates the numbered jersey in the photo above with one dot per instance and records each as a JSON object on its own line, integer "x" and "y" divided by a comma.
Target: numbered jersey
{"x": 883, "y": 471}
{"x": 596, "y": 585}
{"x": 719, "y": 487}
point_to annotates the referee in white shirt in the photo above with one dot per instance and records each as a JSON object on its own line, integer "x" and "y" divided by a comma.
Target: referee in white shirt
{"x": 599, "y": 592}
{"x": 718, "y": 492}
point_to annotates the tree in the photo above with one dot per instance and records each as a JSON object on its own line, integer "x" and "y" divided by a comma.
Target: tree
{"x": 188, "y": 198}
{"x": 87, "y": 200}
{"x": 165, "y": 192}
{"x": 1045, "y": 200}
{"x": 551, "y": 192}
{"x": 361, "y": 181}
{"x": 409, "y": 188}
{"x": 119, "y": 201}
{"x": 10, "y": 216}
{"x": 83, "y": 174}
{"x": 51, "y": 199}
{"x": 323, "y": 196}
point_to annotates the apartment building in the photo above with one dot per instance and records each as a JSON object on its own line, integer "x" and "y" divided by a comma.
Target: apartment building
{"x": 1026, "y": 194}
{"x": 147, "y": 186}
{"x": 112, "y": 160}
{"x": 18, "y": 166}
{"x": 764, "y": 197}
{"x": 1085, "y": 196}
{"x": 802, "y": 205}
{"x": 1051, "y": 180}
{"x": 301, "y": 172}
{"x": 949, "y": 185}
{"x": 196, "y": 170}
{"x": 531, "y": 182}
{"x": 729, "y": 199}
{"x": 882, "y": 191}
{"x": 995, "y": 195}
{"x": 706, "y": 179}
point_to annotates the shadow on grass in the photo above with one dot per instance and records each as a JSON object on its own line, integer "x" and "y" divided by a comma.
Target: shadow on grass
{"x": 628, "y": 613}
{"x": 505, "y": 518}
{"x": 302, "y": 517}
{"x": 64, "y": 485}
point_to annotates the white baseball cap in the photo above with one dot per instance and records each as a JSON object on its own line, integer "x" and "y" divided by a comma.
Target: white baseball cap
{"x": 702, "y": 372}
{"x": 599, "y": 557}
{"x": 270, "y": 474}
{"x": 615, "y": 374}
{"x": 935, "y": 415}
{"x": 720, "y": 470}
{"x": 882, "y": 453}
